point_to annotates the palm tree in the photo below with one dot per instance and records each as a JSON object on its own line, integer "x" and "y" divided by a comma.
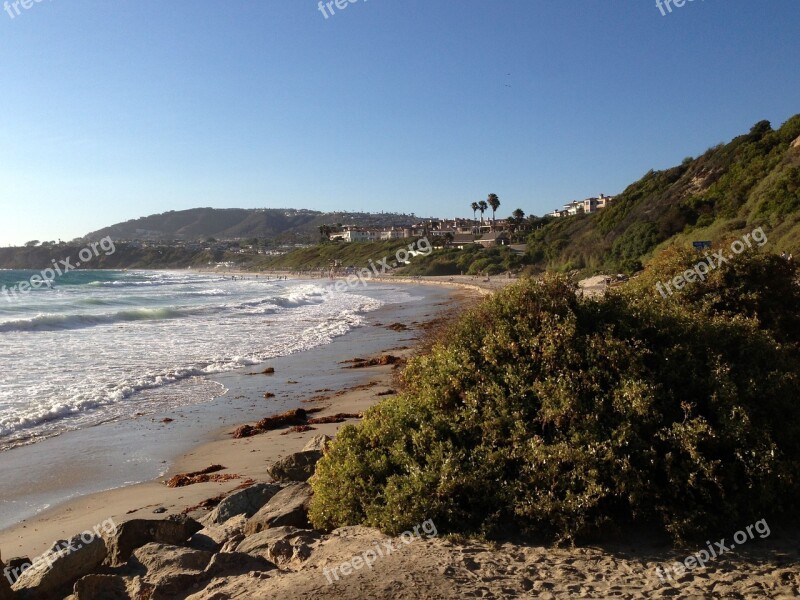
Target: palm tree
{"x": 518, "y": 220}
{"x": 475, "y": 208}
{"x": 483, "y": 207}
{"x": 494, "y": 202}
{"x": 325, "y": 231}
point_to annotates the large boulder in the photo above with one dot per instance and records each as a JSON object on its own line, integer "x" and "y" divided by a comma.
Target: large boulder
{"x": 5, "y": 585}
{"x": 246, "y": 502}
{"x": 287, "y": 507}
{"x": 61, "y": 568}
{"x": 169, "y": 569}
{"x": 295, "y": 467}
{"x": 136, "y": 533}
{"x": 281, "y": 545}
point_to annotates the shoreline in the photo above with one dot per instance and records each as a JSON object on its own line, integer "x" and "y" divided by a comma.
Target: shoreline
{"x": 248, "y": 458}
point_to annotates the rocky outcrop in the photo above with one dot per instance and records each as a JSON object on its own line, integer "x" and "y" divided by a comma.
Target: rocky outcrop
{"x": 169, "y": 569}
{"x": 281, "y": 545}
{"x": 245, "y": 502}
{"x": 289, "y": 507}
{"x": 295, "y": 467}
{"x": 136, "y": 533}
{"x": 61, "y": 568}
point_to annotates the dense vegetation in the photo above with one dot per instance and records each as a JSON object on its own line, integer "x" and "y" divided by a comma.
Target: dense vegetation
{"x": 472, "y": 260}
{"x": 321, "y": 256}
{"x": 562, "y": 417}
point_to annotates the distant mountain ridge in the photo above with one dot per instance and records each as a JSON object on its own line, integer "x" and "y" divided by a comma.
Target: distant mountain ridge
{"x": 198, "y": 224}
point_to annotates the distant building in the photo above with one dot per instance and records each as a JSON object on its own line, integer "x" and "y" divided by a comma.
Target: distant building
{"x": 587, "y": 206}
{"x": 356, "y": 234}
{"x": 462, "y": 240}
{"x": 392, "y": 234}
{"x": 494, "y": 238}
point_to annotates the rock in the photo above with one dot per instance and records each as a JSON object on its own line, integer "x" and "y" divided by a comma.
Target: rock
{"x": 136, "y": 533}
{"x": 60, "y": 569}
{"x": 101, "y": 587}
{"x": 287, "y": 507}
{"x": 295, "y": 467}
{"x": 14, "y": 567}
{"x": 232, "y": 543}
{"x": 318, "y": 442}
{"x": 280, "y": 545}
{"x": 212, "y": 537}
{"x": 169, "y": 569}
{"x": 246, "y": 502}
{"x": 228, "y": 564}
{"x": 5, "y": 586}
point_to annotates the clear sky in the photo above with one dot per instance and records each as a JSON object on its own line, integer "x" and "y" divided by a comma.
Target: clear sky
{"x": 113, "y": 110}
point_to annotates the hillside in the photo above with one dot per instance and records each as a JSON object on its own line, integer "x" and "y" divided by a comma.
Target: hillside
{"x": 238, "y": 223}
{"x": 731, "y": 189}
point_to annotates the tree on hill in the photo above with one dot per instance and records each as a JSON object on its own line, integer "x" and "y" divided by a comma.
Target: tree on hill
{"x": 494, "y": 202}
{"x": 483, "y": 207}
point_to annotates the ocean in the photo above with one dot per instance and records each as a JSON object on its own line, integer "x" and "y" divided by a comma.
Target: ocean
{"x": 102, "y": 346}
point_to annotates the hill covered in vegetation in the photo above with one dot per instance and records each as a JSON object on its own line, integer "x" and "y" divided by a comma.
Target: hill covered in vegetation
{"x": 281, "y": 225}
{"x": 753, "y": 181}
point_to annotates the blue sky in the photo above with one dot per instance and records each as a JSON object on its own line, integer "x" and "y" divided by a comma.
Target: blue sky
{"x": 115, "y": 110}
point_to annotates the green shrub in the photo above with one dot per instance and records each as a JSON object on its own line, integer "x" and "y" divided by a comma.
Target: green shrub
{"x": 563, "y": 417}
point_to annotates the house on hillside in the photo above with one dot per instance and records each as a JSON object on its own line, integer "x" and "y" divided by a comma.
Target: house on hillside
{"x": 587, "y": 206}
{"x": 494, "y": 238}
{"x": 463, "y": 240}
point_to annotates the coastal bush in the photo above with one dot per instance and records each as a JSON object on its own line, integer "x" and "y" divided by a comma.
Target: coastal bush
{"x": 560, "y": 417}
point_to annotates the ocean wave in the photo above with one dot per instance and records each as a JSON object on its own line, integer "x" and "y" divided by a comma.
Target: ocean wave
{"x": 38, "y": 399}
{"x": 51, "y": 322}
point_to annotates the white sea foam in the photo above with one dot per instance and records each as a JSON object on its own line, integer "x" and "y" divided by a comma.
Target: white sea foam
{"x": 83, "y": 354}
